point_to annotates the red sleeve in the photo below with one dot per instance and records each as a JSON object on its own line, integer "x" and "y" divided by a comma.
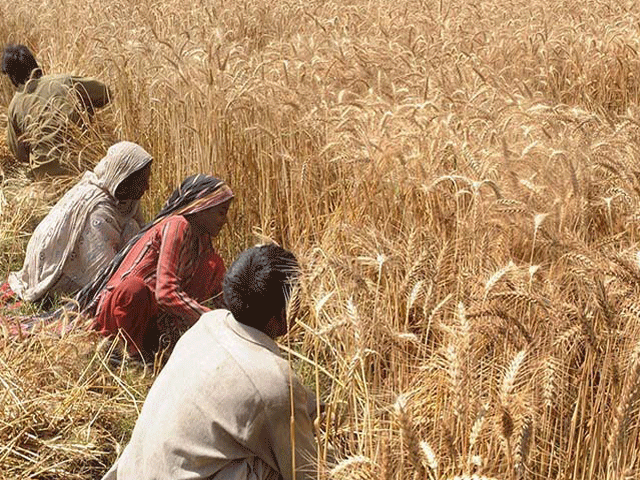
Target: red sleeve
{"x": 176, "y": 247}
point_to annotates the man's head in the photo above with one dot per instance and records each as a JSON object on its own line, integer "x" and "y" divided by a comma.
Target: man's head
{"x": 18, "y": 62}
{"x": 257, "y": 286}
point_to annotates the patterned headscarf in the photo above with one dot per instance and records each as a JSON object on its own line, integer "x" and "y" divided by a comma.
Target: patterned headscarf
{"x": 196, "y": 193}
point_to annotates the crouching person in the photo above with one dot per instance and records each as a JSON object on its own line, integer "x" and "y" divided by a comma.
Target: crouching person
{"x": 222, "y": 407}
{"x": 43, "y": 109}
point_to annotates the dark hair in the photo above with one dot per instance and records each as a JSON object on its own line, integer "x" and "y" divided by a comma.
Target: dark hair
{"x": 257, "y": 285}
{"x": 18, "y": 62}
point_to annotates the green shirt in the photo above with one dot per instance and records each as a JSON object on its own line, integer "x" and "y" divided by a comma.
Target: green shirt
{"x": 40, "y": 112}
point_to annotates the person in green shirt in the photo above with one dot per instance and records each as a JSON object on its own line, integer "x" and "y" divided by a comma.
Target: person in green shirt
{"x": 43, "y": 108}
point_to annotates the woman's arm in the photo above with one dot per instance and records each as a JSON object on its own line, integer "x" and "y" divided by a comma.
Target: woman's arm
{"x": 178, "y": 243}
{"x": 93, "y": 93}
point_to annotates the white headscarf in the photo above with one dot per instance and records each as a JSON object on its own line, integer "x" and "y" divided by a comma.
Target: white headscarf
{"x": 54, "y": 240}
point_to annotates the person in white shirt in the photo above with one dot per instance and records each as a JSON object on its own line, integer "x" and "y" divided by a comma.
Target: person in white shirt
{"x": 226, "y": 405}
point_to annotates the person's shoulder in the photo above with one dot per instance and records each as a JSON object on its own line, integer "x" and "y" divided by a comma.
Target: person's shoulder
{"x": 271, "y": 376}
{"x": 176, "y": 223}
{"x": 83, "y": 192}
{"x": 274, "y": 379}
{"x": 252, "y": 351}
{"x": 209, "y": 329}
{"x": 56, "y": 78}
{"x": 38, "y": 83}
{"x": 212, "y": 322}
{"x": 217, "y": 315}
{"x": 176, "y": 220}
{"x": 52, "y": 85}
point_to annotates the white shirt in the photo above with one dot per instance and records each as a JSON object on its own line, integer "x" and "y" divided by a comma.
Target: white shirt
{"x": 221, "y": 410}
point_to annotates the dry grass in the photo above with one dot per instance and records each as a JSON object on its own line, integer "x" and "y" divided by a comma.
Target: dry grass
{"x": 64, "y": 408}
{"x": 460, "y": 180}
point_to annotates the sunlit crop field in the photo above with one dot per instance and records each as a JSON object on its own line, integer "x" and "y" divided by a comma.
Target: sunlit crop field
{"x": 460, "y": 180}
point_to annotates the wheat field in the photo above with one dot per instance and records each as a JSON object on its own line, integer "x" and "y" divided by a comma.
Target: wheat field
{"x": 460, "y": 180}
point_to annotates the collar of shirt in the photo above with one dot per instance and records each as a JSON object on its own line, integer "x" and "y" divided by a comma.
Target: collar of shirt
{"x": 251, "y": 334}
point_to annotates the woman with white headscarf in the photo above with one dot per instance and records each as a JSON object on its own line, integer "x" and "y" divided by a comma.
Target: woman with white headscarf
{"x": 83, "y": 232}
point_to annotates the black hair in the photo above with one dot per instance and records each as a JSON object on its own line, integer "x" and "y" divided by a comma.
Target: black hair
{"x": 18, "y": 62}
{"x": 258, "y": 283}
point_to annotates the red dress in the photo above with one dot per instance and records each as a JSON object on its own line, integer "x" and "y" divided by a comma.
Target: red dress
{"x": 159, "y": 287}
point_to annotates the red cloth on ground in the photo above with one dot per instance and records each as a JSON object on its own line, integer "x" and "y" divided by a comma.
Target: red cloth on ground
{"x": 19, "y": 325}
{"x": 8, "y": 303}
{"x": 8, "y": 297}
{"x": 159, "y": 285}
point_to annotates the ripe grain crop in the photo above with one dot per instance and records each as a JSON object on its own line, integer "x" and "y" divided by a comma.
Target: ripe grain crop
{"x": 459, "y": 179}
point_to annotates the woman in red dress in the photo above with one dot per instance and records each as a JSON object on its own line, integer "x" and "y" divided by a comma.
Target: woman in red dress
{"x": 156, "y": 286}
